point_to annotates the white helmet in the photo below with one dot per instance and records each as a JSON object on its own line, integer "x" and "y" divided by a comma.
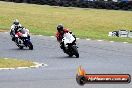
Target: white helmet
{"x": 16, "y": 22}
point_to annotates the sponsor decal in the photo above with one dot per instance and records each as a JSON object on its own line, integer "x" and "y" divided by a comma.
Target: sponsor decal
{"x": 83, "y": 78}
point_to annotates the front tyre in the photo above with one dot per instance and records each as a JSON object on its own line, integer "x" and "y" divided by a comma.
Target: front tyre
{"x": 30, "y": 45}
{"x": 77, "y": 55}
{"x": 75, "y": 50}
{"x": 21, "y": 47}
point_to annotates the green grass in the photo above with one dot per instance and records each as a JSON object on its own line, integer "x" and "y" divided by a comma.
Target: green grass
{"x": 13, "y": 63}
{"x": 85, "y": 23}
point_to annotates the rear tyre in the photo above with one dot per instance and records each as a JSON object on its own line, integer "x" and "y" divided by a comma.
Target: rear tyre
{"x": 70, "y": 55}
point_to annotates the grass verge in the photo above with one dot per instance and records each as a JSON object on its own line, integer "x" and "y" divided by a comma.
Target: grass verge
{"x": 85, "y": 23}
{"x": 14, "y": 63}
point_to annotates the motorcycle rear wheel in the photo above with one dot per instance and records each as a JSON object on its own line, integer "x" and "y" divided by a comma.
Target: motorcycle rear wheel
{"x": 70, "y": 55}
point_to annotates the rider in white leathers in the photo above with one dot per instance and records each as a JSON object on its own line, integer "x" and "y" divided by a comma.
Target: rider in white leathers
{"x": 16, "y": 25}
{"x": 15, "y": 28}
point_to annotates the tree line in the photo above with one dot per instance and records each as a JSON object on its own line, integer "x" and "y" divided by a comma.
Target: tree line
{"x": 123, "y": 5}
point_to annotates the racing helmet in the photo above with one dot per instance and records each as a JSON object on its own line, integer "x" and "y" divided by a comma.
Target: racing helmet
{"x": 16, "y": 22}
{"x": 60, "y": 27}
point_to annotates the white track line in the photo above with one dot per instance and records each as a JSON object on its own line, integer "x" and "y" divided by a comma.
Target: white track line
{"x": 99, "y": 40}
{"x": 22, "y": 67}
{"x": 111, "y": 41}
{"x": 7, "y": 68}
{"x": 77, "y": 38}
{"x": 125, "y": 42}
{"x": 88, "y": 39}
{"x": 5, "y": 58}
{"x": 52, "y": 36}
{"x": 45, "y": 65}
{"x": 85, "y": 39}
{"x": 40, "y": 35}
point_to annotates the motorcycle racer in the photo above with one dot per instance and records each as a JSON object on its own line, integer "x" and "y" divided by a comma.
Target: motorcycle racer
{"x": 59, "y": 35}
{"x": 16, "y": 25}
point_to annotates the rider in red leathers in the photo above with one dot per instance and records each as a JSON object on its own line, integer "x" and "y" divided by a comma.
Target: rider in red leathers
{"x": 61, "y": 31}
{"x": 59, "y": 35}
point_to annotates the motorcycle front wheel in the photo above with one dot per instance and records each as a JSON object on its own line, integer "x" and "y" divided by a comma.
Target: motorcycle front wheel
{"x": 75, "y": 50}
{"x": 30, "y": 45}
{"x": 21, "y": 47}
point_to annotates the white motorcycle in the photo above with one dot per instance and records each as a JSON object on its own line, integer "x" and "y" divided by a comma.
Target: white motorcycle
{"x": 70, "y": 45}
{"x": 23, "y": 39}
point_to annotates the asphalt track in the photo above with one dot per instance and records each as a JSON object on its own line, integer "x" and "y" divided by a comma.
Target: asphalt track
{"x": 95, "y": 57}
